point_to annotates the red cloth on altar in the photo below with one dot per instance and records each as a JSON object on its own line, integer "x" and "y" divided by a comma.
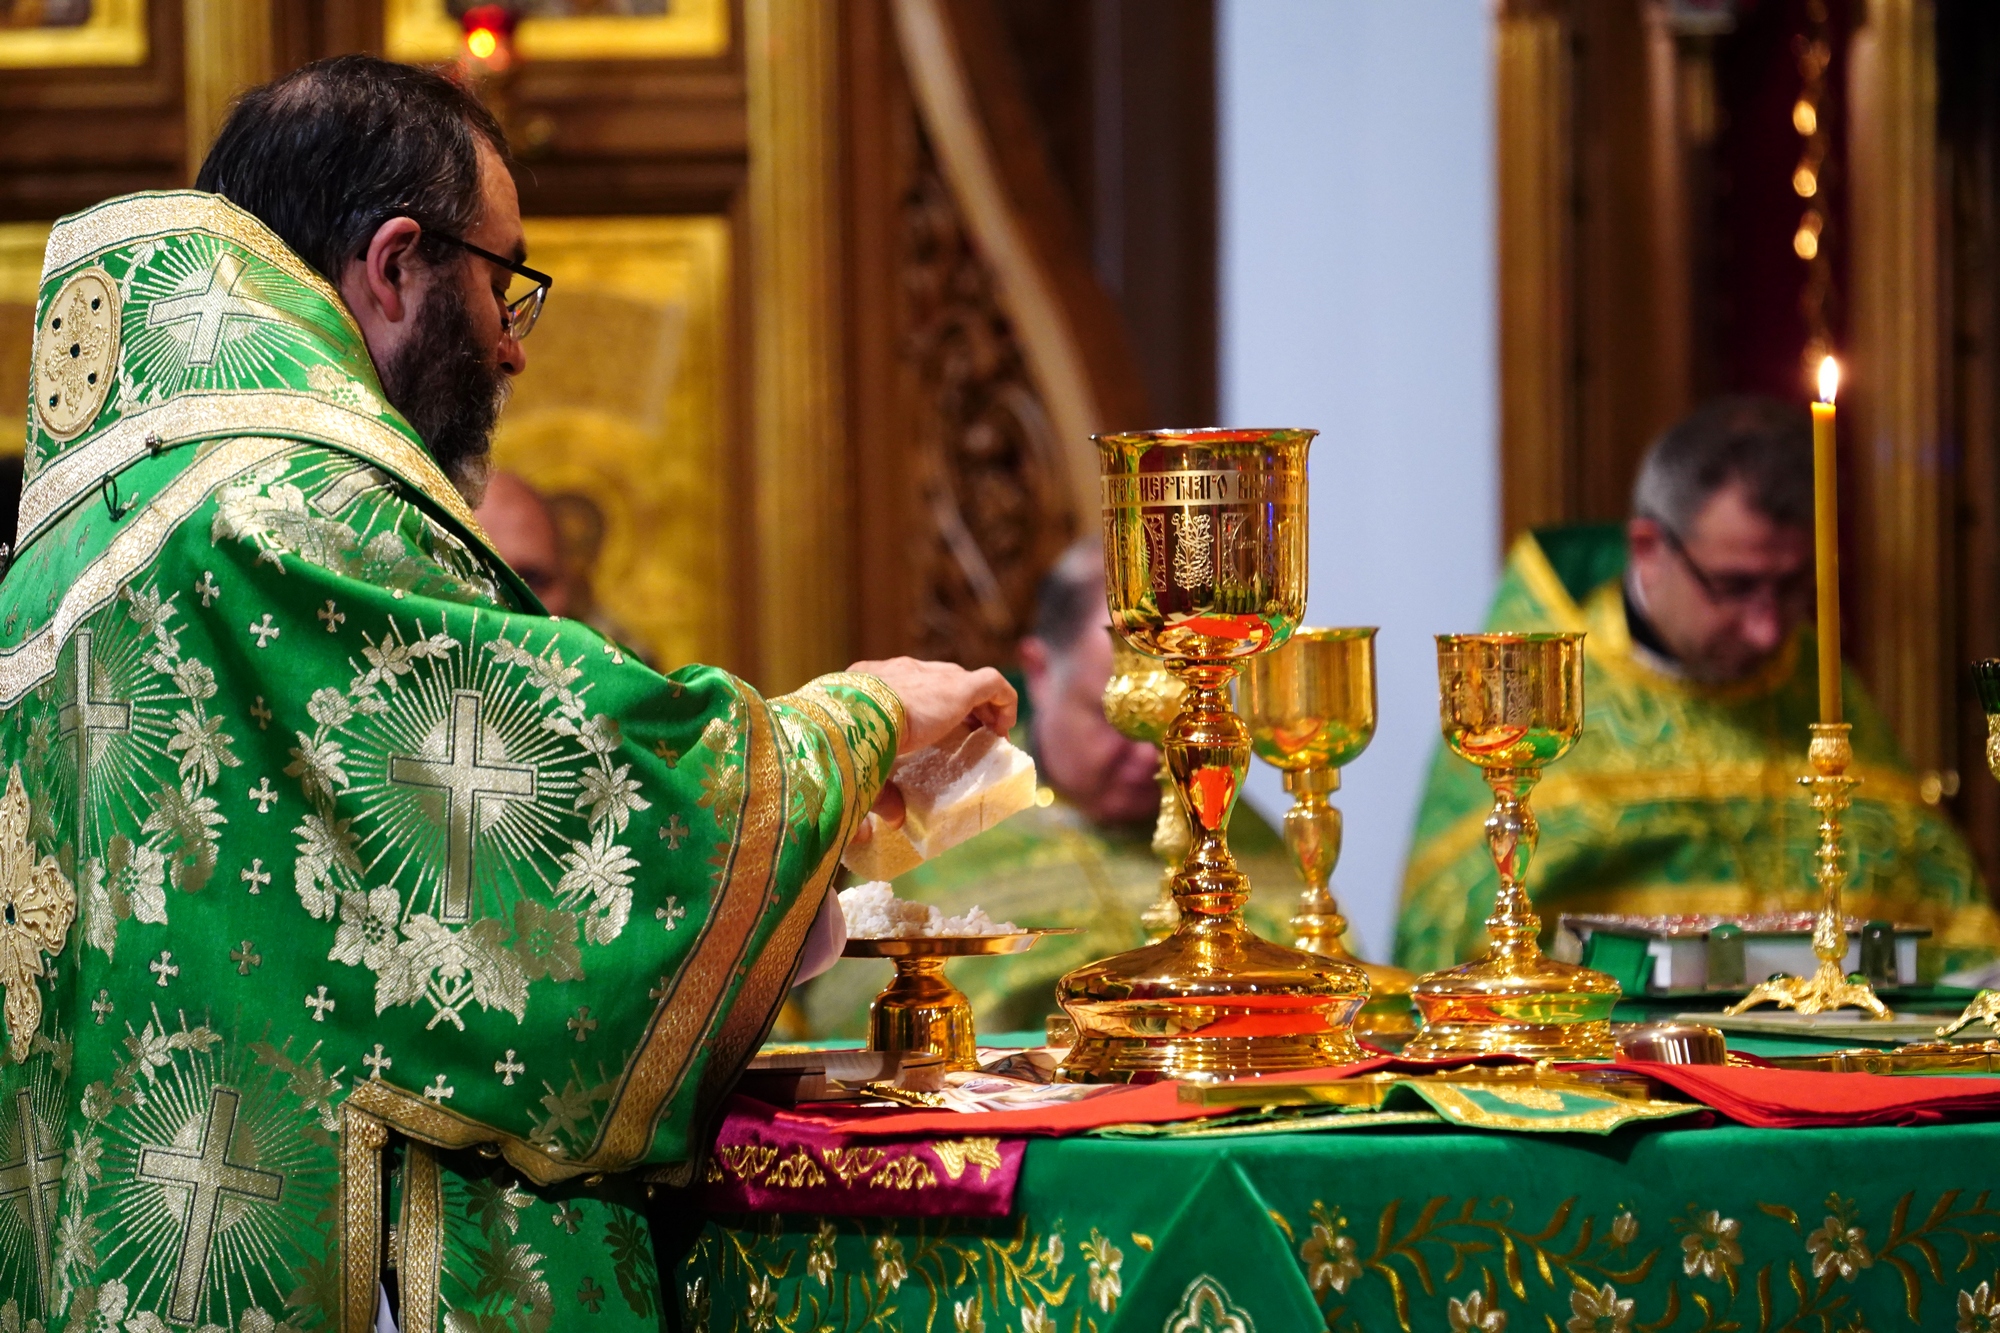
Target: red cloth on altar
{"x": 767, "y": 1161}
{"x": 1802, "y": 1098}
{"x": 1132, "y": 1104}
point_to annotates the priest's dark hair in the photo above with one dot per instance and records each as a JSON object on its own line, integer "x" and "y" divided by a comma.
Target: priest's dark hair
{"x": 1761, "y": 443}
{"x": 328, "y": 153}
{"x": 1068, "y": 596}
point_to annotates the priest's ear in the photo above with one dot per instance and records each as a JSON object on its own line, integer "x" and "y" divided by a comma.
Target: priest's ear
{"x": 383, "y": 285}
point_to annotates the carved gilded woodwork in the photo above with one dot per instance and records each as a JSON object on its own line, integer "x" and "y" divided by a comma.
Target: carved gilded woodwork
{"x": 996, "y": 505}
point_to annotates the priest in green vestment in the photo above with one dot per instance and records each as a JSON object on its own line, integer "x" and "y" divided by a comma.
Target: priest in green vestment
{"x": 374, "y": 945}
{"x": 1700, "y": 679}
{"x": 1081, "y": 857}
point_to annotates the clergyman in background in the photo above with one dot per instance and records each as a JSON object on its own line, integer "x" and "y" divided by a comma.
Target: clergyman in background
{"x": 1700, "y": 682}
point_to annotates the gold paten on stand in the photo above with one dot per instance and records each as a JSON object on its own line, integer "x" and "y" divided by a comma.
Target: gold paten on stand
{"x": 1311, "y": 711}
{"x": 1205, "y": 564}
{"x": 1511, "y": 703}
{"x": 920, "y": 1010}
{"x": 1829, "y": 987}
{"x": 1140, "y": 700}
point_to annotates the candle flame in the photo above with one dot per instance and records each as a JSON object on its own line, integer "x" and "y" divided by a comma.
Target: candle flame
{"x": 1829, "y": 379}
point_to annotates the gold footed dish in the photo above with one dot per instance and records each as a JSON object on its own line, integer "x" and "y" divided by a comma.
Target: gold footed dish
{"x": 1311, "y": 709}
{"x": 1511, "y": 703}
{"x": 920, "y": 1010}
{"x": 1829, "y": 987}
{"x": 1205, "y": 565}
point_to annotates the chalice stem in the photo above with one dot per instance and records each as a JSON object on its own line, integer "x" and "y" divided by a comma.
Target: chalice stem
{"x": 1312, "y": 836}
{"x": 1511, "y": 835}
{"x": 1208, "y": 750}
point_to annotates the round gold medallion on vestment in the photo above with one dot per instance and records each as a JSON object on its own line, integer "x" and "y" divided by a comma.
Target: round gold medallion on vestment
{"x": 76, "y": 354}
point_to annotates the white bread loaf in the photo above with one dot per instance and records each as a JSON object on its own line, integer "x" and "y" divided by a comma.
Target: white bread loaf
{"x": 963, "y": 785}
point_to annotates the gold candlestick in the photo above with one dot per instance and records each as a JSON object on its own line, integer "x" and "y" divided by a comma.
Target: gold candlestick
{"x": 1831, "y": 751}
{"x": 1311, "y": 710}
{"x": 1985, "y": 1006}
{"x": 1511, "y": 703}
{"x": 1205, "y": 536}
{"x": 1140, "y": 700}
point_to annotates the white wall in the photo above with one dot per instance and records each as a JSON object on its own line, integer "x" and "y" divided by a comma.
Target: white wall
{"x": 1357, "y": 297}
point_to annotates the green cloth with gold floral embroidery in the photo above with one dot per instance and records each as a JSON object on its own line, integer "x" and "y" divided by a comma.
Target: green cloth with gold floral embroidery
{"x": 1654, "y": 1230}
{"x": 329, "y": 861}
{"x": 1681, "y": 797}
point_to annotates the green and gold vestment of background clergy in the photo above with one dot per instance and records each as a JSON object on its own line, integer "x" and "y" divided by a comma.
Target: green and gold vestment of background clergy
{"x": 1682, "y": 797}
{"x": 341, "y": 887}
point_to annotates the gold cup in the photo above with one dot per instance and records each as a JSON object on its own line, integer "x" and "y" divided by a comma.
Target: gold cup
{"x": 1140, "y": 700}
{"x": 1205, "y": 544}
{"x": 1311, "y": 710}
{"x": 1511, "y": 703}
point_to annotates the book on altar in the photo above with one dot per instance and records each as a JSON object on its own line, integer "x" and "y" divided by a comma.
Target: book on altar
{"x": 963, "y": 785}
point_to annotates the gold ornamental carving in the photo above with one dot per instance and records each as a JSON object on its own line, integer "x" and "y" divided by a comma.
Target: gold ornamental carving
{"x": 75, "y": 360}
{"x": 37, "y": 907}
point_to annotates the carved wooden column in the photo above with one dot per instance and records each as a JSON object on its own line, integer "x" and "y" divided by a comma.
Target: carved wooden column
{"x": 1903, "y": 486}
{"x": 228, "y": 50}
{"x": 1531, "y": 81}
{"x": 801, "y": 470}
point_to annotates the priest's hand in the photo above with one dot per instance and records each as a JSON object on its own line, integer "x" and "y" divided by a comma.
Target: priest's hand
{"x": 940, "y": 697}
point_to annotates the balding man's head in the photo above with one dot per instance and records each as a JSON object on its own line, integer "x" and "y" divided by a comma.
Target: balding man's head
{"x": 524, "y": 533}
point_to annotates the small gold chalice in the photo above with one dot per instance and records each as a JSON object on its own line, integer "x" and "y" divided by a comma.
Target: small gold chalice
{"x": 1140, "y": 700}
{"x": 1511, "y": 703}
{"x": 1311, "y": 710}
{"x": 1205, "y": 544}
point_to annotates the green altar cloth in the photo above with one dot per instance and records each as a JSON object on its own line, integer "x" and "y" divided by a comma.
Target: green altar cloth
{"x": 1662, "y": 1230}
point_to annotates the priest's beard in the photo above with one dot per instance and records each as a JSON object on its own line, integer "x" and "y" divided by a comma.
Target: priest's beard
{"x": 449, "y": 389}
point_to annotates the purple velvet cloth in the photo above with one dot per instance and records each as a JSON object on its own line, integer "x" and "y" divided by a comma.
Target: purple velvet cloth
{"x": 767, "y": 1162}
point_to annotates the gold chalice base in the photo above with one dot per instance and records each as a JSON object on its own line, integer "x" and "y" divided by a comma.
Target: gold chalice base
{"x": 1532, "y": 1006}
{"x": 1211, "y": 1001}
{"x": 1389, "y": 1018}
{"x": 920, "y": 1010}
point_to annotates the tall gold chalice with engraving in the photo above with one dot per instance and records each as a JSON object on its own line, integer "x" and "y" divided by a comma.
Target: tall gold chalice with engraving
{"x": 1311, "y": 710}
{"x": 1205, "y": 564}
{"x": 1511, "y": 703}
{"x": 1140, "y": 700}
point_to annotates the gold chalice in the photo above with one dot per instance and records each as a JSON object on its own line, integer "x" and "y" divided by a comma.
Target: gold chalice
{"x": 1511, "y": 703}
{"x": 1205, "y": 546}
{"x": 1311, "y": 710}
{"x": 1140, "y": 700}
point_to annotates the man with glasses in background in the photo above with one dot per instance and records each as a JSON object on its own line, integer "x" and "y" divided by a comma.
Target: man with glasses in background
{"x": 377, "y": 948}
{"x": 1700, "y": 680}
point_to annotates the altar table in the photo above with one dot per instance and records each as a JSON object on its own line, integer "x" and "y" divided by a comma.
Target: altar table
{"x": 1658, "y": 1228}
